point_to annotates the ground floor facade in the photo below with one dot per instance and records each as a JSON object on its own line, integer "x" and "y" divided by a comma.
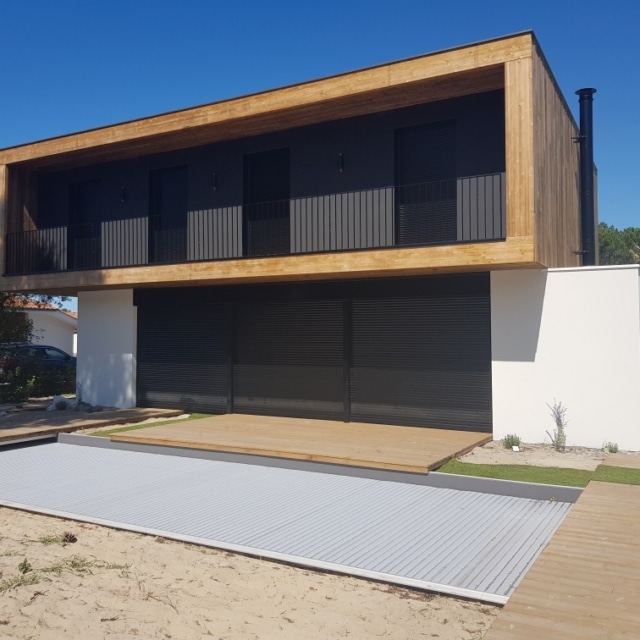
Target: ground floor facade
{"x": 480, "y": 352}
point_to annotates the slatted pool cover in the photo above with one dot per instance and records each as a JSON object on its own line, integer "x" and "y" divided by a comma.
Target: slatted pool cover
{"x": 459, "y": 542}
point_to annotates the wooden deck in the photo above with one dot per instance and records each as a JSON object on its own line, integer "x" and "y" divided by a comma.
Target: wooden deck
{"x": 25, "y": 425}
{"x": 413, "y": 449}
{"x": 622, "y": 460}
{"x": 586, "y": 583}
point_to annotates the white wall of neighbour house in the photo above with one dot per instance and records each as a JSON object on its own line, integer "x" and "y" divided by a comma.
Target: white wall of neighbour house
{"x": 107, "y": 326}
{"x": 54, "y": 328}
{"x": 571, "y": 336}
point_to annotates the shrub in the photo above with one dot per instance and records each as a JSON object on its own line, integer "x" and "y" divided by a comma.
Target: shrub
{"x": 610, "y": 447}
{"x": 559, "y": 415}
{"x": 511, "y": 440}
{"x": 36, "y": 382}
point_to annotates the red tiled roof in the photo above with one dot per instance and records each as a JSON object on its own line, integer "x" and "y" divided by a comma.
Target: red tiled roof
{"x": 32, "y": 305}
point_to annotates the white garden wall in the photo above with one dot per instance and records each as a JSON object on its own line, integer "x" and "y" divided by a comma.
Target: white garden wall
{"x": 107, "y": 329}
{"x": 573, "y": 336}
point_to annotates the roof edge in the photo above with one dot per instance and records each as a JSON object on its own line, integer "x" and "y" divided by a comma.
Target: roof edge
{"x": 279, "y": 88}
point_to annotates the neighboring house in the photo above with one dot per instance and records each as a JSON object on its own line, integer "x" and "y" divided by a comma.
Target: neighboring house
{"x": 401, "y": 244}
{"x": 53, "y": 326}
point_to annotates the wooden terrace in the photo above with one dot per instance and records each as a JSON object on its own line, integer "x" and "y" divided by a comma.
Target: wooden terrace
{"x": 586, "y": 583}
{"x": 412, "y": 449}
{"x": 34, "y": 422}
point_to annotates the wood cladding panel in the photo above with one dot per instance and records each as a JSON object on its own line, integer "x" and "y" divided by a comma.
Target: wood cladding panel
{"x": 556, "y": 162}
{"x": 437, "y": 76}
{"x": 484, "y": 256}
{"x": 519, "y": 147}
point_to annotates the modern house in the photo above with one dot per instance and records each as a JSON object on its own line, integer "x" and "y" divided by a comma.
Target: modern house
{"x": 376, "y": 246}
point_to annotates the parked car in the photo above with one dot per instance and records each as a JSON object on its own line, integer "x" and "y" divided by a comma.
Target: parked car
{"x": 17, "y": 355}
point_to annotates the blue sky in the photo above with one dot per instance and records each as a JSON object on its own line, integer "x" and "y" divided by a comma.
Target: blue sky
{"x": 69, "y": 65}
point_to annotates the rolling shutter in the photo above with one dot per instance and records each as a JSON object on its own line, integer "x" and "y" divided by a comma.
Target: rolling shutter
{"x": 422, "y": 361}
{"x": 289, "y": 359}
{"x": 413, "y": 351}
{"x": 183, "y": 357}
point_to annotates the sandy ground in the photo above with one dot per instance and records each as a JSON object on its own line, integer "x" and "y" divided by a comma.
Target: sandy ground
{"x": 117, "y": 585}
{"x": 539, "y": 455}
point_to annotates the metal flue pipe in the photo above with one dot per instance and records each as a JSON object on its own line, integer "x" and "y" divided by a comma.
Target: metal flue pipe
{"x": 587, "y": 190}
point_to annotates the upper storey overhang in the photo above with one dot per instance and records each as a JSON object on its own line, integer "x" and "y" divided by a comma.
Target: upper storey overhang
{"x": 542, "y": 219}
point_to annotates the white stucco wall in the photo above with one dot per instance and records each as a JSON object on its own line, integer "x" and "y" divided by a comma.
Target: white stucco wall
{"x": 54, "y": 328}
{"x": 573, "y": 336}
{"x": 107, "y": 326}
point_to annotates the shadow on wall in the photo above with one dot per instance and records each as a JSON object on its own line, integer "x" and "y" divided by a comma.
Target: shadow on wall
{"x": 108, "y": 380}
{"x": 517, "y": 299}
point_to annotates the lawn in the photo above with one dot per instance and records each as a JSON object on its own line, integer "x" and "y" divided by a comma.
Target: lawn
{"x": 543, "y": 475}
{"x": 146, "y": 425}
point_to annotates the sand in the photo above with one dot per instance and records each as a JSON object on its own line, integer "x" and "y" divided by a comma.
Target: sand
{"x": 539, "y": 455}
{"x": 117, "y": 584}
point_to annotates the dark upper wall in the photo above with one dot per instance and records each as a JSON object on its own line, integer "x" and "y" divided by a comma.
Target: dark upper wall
{"x": 366, "y": 142}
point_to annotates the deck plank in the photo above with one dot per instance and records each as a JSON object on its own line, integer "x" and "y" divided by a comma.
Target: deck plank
{"x": 586, "y": 583}
{"x": 622, "y": 460}
{"x": 38, "y": 424}
{"x": 413, "y": 449}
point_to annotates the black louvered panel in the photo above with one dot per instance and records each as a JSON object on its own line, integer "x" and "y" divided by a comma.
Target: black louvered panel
{"x": 423, "y": 362}
{"x": 426, "y": 168}
{"x": 183, "y": 357}
{"x": 289, "y": 359}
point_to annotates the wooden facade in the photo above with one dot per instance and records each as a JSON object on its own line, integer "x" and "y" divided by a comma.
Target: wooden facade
{"x": 542, "y": 219}
{"x": 556, "y": 173}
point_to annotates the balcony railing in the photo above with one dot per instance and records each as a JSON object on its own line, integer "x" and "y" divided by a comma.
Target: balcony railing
{"x": 469, "y": 209}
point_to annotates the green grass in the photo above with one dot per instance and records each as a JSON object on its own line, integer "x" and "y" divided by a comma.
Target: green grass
{"x": 22, "y": 580}
{"x": 28, "y": 575}
{"x": 521, "y": 473}
{"x": 48, "y": 540}
{"x": 605, "y": 473}
{"x": 135, "y": 427}
{"x": 543, "y": 475}
{"x": 75, "y": 564}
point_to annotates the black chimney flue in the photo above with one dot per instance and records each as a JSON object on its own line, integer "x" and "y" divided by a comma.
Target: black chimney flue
{"x": 587, "y": 191}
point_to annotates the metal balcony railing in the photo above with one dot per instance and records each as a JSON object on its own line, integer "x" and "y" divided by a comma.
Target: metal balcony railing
{"x": 469, "y": 209}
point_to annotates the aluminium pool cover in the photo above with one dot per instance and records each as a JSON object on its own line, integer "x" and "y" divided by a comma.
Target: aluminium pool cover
{"x": 459, "y": 542}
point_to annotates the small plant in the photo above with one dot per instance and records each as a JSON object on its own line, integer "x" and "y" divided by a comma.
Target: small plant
{"x": 25, "y": 567}
{"x": 81, "y": 565}
{"x": 69, "y": 538}
{"x": 75, "y": 564}
{"x": 610, "y": 447}
{"x": 511, "y": 440}
{"x": 559, "y": 415}
{"x": 23, "y": 580}
{"x": 47, "y": 540}
{"x": 66, "y": 538}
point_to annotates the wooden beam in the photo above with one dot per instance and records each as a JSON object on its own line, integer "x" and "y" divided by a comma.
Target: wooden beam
{"x": 379, "y": 263}
{"x": 467, "y": 69}
{"x": 298, "y": 116}
{"x": 519, "y": 147}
